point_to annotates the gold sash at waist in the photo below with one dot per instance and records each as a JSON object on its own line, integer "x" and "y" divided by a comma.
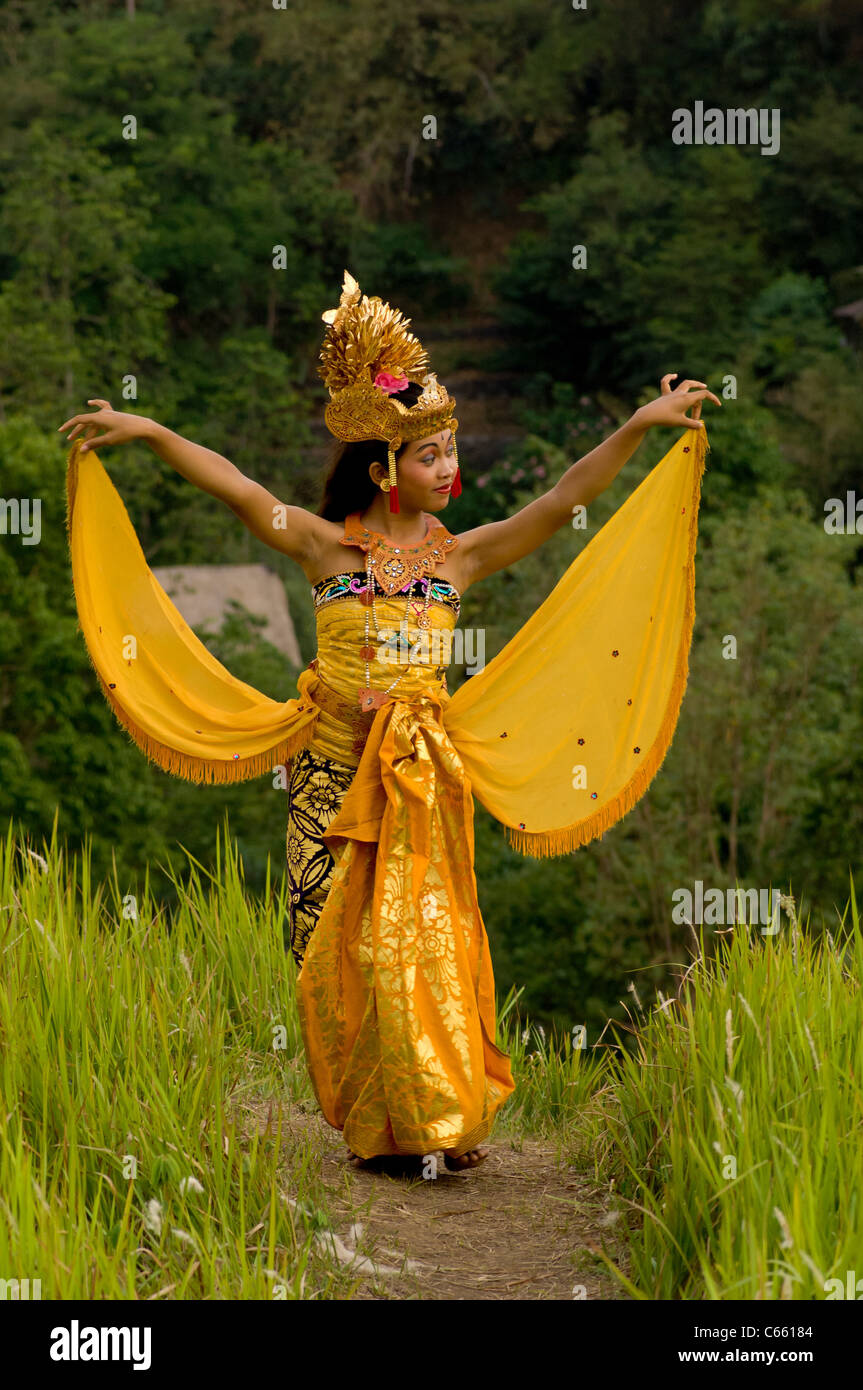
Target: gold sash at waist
{"x": 396, "y": 993}
{"x": 347, "y": 713}
{"x": 343, "y": 732}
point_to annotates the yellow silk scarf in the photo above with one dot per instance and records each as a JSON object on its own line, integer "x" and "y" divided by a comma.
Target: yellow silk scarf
{"x": 181, "y": 706}
{"x": 563, "y": 731}
{"x": 559, "y": 735}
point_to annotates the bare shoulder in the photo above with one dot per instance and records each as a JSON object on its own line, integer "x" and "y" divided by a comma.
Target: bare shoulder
{"x": 464, "y": 560}
{"x": 456, "y": 567}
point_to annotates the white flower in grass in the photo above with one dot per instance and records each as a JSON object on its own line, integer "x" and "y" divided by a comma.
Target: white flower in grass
{"x": 787, "y": 1240}
{"x": 190, "y": 1184}
{"x": 54, "y": 951}
{"x": 153, "y": 1217}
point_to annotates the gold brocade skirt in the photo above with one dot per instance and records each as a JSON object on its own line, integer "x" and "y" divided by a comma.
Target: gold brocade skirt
{"x": 396, "y": 989}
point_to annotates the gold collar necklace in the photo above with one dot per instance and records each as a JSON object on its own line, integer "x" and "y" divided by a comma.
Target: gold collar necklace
{"x": 394, "y": 567}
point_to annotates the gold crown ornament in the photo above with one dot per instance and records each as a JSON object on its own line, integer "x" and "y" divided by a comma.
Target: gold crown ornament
{"x": 369, "y": 356}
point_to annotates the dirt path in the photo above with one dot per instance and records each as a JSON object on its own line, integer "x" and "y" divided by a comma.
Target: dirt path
{"x": 518, "y": 1227}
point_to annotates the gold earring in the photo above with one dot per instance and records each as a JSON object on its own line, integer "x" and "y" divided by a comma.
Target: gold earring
{"x": 393, "y": 488}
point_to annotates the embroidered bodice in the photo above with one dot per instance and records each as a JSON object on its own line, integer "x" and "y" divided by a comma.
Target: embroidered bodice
{"x": 419, "y": 658}
{"x": 353, "y": 583}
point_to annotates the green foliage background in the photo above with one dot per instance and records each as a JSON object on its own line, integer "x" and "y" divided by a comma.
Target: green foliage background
{"x": 152, "y": 259}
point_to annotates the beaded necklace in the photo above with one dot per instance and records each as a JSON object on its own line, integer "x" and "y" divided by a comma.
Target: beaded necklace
{"x": 369, "y": 698}
{"x": 393, "y": 566}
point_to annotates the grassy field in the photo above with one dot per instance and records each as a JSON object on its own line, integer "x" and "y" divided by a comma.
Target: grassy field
{"x": 737, "y": 1126}
{"x": 133, "y": 1045}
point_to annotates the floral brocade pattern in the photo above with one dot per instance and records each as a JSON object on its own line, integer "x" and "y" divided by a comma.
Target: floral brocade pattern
{"x": 315, "y": 793}
{"x": 396, "y": 992}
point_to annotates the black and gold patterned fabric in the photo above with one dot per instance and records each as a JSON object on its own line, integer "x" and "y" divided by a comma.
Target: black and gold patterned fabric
{"x": 351, "y": 584}
{"x": 316, "y": 789}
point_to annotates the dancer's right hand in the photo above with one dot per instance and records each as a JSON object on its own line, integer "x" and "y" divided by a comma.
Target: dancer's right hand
{"x": 119, "y": 426}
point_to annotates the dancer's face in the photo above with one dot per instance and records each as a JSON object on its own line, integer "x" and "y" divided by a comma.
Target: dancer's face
{"x": 426, "y": 466}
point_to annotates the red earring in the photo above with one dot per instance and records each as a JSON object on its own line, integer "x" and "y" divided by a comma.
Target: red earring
{"x": 455, "y": 490}
{"x": 394, "y": 498}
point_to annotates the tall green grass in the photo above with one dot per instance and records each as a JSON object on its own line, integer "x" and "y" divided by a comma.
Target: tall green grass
{"x": 148, "y": 1057}
{"x": 556, "y": 1077}
{"x": 128, "y": 1045}
{"x": 735, "y": 1130}
{"x": 140, "y": 1048}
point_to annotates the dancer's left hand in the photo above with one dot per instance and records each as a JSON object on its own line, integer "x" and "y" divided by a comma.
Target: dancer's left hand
{"x": 670, "y": 408}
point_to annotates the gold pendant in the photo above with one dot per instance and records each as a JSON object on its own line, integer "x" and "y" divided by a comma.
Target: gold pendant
{"x": 371, "y": 699}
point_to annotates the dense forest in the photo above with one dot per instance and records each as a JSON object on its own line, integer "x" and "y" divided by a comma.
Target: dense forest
{"x": 181, "y": 188}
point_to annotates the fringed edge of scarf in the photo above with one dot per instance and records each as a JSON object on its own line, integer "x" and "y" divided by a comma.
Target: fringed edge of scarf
{"x": 541, "y": 844}
{"x": 210, "y": 770}
{"x": 186, "y": 765}
{"x": 71, "y": 487}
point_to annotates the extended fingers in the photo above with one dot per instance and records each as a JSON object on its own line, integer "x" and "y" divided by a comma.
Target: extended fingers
{"x": 99, "y": 440}
{"x": 682, "y": 387}
{"x": 73, "y": 421}
{"x": 84, "y": 424}
{"x": 692, "y": 396}
{"x": 80, "y": 420}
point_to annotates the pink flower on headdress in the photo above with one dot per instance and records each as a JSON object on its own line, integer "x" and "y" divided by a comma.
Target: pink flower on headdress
{"x": 389, "y": 384}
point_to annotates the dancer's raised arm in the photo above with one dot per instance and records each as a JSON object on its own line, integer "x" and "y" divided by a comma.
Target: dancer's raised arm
{"x": 291, "y": 530}
{"x": 497, "y": 544}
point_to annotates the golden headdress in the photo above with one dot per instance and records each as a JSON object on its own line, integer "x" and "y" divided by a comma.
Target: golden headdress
{"x": 369, "y": 355}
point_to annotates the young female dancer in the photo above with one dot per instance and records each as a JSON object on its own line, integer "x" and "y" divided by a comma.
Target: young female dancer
{"x": 396, "y": 989}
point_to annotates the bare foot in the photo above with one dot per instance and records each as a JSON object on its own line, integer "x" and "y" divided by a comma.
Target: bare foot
{"x": 456, "y": 1163}
{"x": 386, "y": 1163}
{"x": 472, "y": 1159}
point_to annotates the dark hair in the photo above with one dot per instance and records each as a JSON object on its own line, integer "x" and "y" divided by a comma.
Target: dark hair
{"x": 347, "y": 485}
